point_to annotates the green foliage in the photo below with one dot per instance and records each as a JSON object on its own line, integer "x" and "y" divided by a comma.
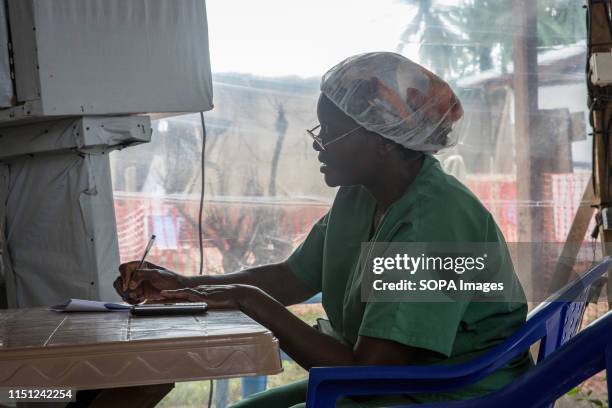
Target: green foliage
{"x": 436, "y": 35}
{"x": 587, "y": 397}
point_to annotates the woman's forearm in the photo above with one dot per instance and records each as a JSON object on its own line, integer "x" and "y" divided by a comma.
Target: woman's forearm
{"x": 275, "y": 279}
{"x": 244, "y": 277}
{"x": 304, "y": 344}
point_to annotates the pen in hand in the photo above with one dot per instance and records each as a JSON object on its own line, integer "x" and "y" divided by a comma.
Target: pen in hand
{"x": 126, "y": 281}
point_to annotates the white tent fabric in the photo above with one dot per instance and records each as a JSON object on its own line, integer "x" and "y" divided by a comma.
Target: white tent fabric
{"x": 80, "y": 57}
{"x": 60, "y": 233}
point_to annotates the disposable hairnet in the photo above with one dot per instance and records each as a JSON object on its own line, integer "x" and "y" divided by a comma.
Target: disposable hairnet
{"x": 388, "y": 94}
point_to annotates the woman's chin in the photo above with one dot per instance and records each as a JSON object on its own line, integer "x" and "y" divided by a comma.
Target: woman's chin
{"x": 331, "y": 177}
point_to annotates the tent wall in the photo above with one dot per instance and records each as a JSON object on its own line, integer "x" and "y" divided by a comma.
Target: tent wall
{"x": 60, "y": 235}
{"x": 82, "y": 57}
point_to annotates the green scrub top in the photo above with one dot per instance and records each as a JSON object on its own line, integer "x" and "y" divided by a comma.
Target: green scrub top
{"x": 435, "y": 208}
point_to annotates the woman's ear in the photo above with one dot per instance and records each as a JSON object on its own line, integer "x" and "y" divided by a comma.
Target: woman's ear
{"x": 385, "y": 148}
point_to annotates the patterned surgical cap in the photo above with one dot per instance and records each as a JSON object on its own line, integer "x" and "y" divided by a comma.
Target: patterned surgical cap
{"x": 400, "y": 100}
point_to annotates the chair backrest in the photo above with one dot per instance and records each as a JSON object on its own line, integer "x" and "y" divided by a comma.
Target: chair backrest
{"x": 553, "y": 323}
{"x": 570, "y": 303}
{"x": 584, "y": 355}
{"x": 589, "y": 352}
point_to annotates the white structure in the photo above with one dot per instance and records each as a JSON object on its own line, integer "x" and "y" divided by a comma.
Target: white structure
{"x": 75, "y": 60}
{"x": 60, "y": 235}
{"x": 98, "y": 57}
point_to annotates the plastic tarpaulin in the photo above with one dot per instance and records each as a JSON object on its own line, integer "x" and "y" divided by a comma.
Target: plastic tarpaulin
{"x": 80, "y": 57}
{"x": 60, "y": 229}
{"x": 85, "y": 134}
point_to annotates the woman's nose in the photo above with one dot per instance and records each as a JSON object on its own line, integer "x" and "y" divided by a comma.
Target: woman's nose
{"x": 317, "y": 146}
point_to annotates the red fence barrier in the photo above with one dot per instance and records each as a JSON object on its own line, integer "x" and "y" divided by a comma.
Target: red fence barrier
{"x": 174, "y": 220}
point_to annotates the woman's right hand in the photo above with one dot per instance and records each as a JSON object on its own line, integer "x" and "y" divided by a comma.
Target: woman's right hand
{"x": 135, "y": 285}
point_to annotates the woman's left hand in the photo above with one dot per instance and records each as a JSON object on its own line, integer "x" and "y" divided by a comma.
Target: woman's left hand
{"x": 217, "y": 296}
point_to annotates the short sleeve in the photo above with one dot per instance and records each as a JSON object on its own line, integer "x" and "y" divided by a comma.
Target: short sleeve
{"x": 427, "y": 325}
{"x": 306, "y": 262}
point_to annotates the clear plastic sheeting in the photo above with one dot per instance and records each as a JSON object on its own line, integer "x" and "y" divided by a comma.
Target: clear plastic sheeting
{"x": 266, "y": 88}
{"x": 262, "y": 175}
{"x": 400, "y": 100}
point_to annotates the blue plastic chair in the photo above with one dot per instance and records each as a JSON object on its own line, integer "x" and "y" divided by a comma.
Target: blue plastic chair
{"x": 554, "y": 322}
{"x": 588, "y": 353}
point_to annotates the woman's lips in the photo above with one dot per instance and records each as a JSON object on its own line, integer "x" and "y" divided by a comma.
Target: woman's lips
{"x": 324, "y": 165}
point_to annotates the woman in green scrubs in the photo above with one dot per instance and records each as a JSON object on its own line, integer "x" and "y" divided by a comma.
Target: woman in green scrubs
{"x": 381, "y": 117}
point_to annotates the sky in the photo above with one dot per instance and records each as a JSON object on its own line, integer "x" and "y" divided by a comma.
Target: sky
{"x": 304, "y": 38}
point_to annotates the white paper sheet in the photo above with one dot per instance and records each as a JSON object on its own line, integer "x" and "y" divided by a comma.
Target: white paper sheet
{"x": 81, "y": 305}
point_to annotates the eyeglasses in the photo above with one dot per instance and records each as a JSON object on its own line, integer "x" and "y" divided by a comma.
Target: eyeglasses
{"x": 319, "y": 140}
